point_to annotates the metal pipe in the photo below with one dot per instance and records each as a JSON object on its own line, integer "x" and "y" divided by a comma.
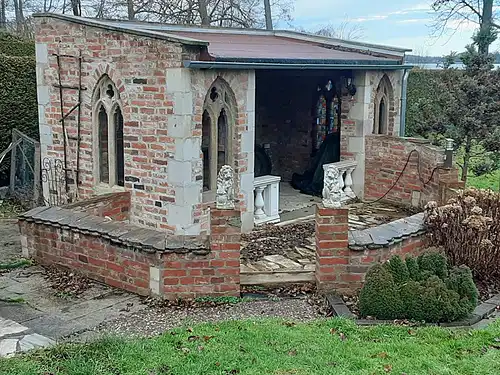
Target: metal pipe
{"x": 404, "y": 91}
{"x": 62, "y": 122}
{"x": 79, "y": 120}
{"x": 287, "y": 66}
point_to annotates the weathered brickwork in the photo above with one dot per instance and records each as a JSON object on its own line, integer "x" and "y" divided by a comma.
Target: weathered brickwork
{"x": 344, "y": 258}
{"x": 135, "y": 259}
{"x": 386, "y": 157}
{"x": 162, "y": 106}
{"x": 115, "y": 206}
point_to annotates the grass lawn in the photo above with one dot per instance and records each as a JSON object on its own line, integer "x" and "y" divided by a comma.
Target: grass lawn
{"x": 487, "y": 181}
{"x": 261, "y": 347}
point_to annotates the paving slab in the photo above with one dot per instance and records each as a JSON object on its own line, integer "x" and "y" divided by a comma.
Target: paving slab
{"x": 9, "y": 327}
{"x": 282, "y": 261}
{"x": 8, "y": 347}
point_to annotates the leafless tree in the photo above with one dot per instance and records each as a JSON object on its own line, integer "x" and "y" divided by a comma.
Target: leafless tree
{"x": 3, "y": 16}
{"x": 460, "y": 11}
{"x": 345, "y": 30}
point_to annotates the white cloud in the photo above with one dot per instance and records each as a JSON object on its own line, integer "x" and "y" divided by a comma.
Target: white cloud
{"x": 370, "y": 18}
{"x": 415, "y": 20}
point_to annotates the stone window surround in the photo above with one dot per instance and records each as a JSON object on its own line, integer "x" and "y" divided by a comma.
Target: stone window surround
{"x": 100, "y": 98}
{"x": 226, "y": 101}
{"x": 384, "y": 93}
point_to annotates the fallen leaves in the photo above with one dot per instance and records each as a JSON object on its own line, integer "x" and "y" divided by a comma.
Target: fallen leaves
{"x": 292, "y": 353}
{"x": 383, "y": 355}
{"x": 66, "y": 283}
{"x": 387, "y": 368}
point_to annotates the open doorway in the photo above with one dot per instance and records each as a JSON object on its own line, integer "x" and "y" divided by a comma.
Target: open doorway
{"x": 298, "y": 118}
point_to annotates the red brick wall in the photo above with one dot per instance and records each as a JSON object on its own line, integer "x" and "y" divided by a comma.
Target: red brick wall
{"x": 386, "y": 157}
{"x": 181, "y": 273}
{"x": 114, "y": 205}
{"x": 342, "y": 269}
{"x": 137, "y": 65}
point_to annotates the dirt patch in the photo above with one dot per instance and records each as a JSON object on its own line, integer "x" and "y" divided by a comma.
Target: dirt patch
{"x": 274, "y": 240}
{"x": 10, "y": 241}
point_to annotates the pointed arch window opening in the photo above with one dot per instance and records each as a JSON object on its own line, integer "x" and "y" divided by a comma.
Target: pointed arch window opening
{"x": 109, "y": 161}
{"x": 219, "y": 115}
{"x": 383, "y": 98}
{"x": 327, "y": 113}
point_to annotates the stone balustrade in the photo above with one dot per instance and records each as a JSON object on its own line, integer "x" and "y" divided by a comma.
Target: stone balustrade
{"x": 345, "y": 178}
{"x": 267, "y": 193}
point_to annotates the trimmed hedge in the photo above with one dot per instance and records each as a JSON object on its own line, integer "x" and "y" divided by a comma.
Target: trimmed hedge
{"x": 421, "y": 289}
{"x": 18, "y": 97}
{"x": 12, "y": 45}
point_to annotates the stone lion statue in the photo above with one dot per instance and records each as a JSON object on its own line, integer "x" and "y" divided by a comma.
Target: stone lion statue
{"x": 225, "y": 191}
{"x": 332, "y": 190}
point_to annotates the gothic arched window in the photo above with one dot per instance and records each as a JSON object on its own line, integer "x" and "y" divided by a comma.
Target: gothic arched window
{"x": 383, "y": 103}
{"x": 109, "y": 162}
{"x": 219, "y": 116}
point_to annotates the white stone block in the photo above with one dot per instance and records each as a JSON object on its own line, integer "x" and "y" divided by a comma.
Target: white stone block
{"x": 247, "y": 222}
{"x": 246, "y": 188}
{"x": 251, "y": 121}
{"x": 179, "y": 126}
{"x": 179, "y": 172}
{"x": 41, "y": 53}
{"x": 178, "y": 80}
{"x": 187, "y": 149}
{"x": 251, "y": 100}
{"x": 356, "y": 144}
{"x": 192, "y": 230}
{"x": 188, "y": 195}
{"x": 180, "y": 215}
{"x": 41, "y": 114}
{"x": 43, "y": 95}
{"x": 183, "y": 103}
{"x": 154, "y": 273}
{"x": 247, "y": 141}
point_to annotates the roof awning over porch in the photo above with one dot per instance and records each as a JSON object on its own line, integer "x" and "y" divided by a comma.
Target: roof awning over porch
{"x": 284, "y": 66}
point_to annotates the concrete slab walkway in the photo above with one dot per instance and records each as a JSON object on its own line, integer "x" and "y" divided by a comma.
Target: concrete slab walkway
{"x": 33, "y": 315}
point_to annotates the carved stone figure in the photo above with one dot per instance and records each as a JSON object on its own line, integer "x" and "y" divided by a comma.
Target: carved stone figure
{"x": 332, "y": 189}
{"x": 225, "y": 191}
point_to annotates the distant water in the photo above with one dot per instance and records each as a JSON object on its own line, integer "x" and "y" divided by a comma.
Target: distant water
{"x": 439, "y": 66}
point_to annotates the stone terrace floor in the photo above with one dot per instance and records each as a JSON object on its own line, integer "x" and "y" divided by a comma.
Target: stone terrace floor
{"x": 286, "y": 251}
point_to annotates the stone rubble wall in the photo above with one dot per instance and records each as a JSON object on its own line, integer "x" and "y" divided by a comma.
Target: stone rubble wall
{"x": 343, "y": 256}
{"x": 115, "y": 206}
{"x": 140, "y": 260}
{"x": 386, "y": 157}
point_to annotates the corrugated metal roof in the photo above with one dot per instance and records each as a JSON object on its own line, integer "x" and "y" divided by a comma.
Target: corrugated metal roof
{"x": 225, "y": 47}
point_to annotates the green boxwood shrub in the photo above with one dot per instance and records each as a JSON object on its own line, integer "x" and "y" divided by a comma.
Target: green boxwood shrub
{"x": 421, "y": 289}
{"x": 379, "y": 296}
{"x": 18, "y": 98}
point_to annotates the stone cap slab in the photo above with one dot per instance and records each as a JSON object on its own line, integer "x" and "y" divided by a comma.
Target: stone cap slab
{"x": 387, "y": 234}
{"x": 130, "y": 235}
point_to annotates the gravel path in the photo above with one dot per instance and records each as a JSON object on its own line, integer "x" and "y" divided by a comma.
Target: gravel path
{"x": 153, "y": 320}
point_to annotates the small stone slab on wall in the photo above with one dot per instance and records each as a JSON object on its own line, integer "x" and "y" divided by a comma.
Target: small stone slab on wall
{"x": 343, "y": 257}
{"x": 137, "y": 259}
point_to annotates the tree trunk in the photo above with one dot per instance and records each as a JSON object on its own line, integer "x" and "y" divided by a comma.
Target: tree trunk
{"x": 486, "y": 20}
{"x": 203, "y": 9}
{"x": 267, "y": 9}
{"x": 3, "y": 20}
{"x": 76, "y": 7}
{"x": 130, "y": 10}
{"x": 465, "y": 168}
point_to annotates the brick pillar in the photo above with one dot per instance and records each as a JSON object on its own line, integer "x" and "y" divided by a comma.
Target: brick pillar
{"x": 225, "y": 236}
{"x": 332, "y": 252}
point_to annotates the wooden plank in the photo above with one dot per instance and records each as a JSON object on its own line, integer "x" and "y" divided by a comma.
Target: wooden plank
{"x": 13, "y": 154}
{"x": 37, "y": 174}
{"x": 282, "y": 277}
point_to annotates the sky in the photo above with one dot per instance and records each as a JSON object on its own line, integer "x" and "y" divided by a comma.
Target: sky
{"x": 399, "y": 23}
